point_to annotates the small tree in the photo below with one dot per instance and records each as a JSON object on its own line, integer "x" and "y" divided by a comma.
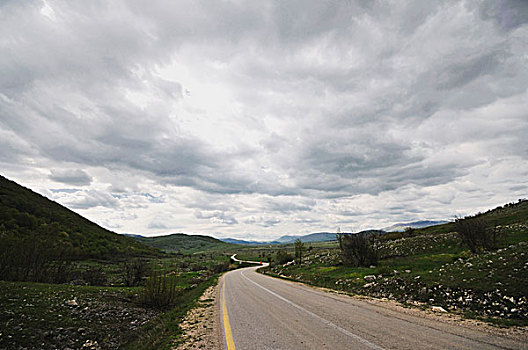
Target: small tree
{"x": 134, "y": 270}
{"x": 409, "y": 231}
{"x": 475, "y": 234}
{"x": 94, "y": 276}
{"x": 357, "y": 249}
{"x": 160, "y": 291}
{"x": 299, "y": 249}
{"x": 282, "y": 257}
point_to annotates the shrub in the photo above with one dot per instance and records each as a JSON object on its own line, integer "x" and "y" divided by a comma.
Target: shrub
{"x": 221, "y": 267}
{"x": 160, "y": 292}
{"x": 282, "y": 257}
{"x": 134, "y": 270}
{"x": 299, "y": 249}
{"x": 34, "y": 258}
{"x": 94, "y": 276}
{"x": 357, "y": 249}
{"x": 475, "y": 234}
{"x": 409, "y": 231}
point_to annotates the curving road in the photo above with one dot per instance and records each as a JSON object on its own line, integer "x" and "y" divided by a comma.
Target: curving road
{"x": 261, "y": 312}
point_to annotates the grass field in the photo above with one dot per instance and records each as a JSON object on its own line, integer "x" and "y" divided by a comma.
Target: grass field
{"x": 434, "y": 267}
{"x": 40, "y": 315}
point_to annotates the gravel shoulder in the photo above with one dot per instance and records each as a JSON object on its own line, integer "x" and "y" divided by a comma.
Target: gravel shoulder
{"x": 425, "y": 311}
{"x": 201, "y": 325}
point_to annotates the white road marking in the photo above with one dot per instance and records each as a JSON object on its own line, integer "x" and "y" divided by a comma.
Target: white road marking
{"x": 323, "y": 320}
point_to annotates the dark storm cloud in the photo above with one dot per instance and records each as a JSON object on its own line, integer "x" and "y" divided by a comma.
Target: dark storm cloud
{"x": 288, "y": 205}
{"x": 269, "y": 106}
{"x": 71, "y": 177}
{"x": 85, "y": 199}
{"x": 508, "y": 14}
{"x": 262, "y": 221}
{"x": 157, "y": 225}
{"x": 217, "y": 217}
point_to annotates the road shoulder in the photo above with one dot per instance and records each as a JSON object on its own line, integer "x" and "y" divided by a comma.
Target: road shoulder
{"x": 424, "y": 312}
{"x": 201, "y": 325}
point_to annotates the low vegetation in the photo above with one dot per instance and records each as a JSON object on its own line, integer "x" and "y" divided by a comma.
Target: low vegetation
{"x": 358, "y": 249}
{"x": 481, "y": 272}
{"x": 54, "y": 231}
{"x": 67, "y": 283}
{"x": 187, "y": 244}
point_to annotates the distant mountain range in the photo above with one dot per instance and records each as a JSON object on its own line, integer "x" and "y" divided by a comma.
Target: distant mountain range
{"x": 331, "y": 236}
{"x": 313, "y": 237}
{"x": 288, "y": 239}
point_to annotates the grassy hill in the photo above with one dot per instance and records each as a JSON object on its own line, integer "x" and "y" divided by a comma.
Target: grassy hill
{"x": 64, "y": 279}
{"x": 186, "y": 244}
{"x": 433, "y": 266}
{"x": 30, "y": 220}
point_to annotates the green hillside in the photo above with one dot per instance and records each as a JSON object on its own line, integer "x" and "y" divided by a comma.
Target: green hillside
{"x": 502, "y": 215}
{"x": 30, "y": 221}
{"x": 434, "y": 266}
{"x": 187, "y": 244}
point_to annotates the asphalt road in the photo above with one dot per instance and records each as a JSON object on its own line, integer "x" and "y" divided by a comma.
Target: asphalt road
{"x": 261, "y": 312}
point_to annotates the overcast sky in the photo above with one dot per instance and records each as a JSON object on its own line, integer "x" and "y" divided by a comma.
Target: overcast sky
{"x": 254, "y": 119}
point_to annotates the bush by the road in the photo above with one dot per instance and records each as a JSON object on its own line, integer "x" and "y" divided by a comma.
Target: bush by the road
{"x": 475, "y": 234}
{"x": 357, "y": 249}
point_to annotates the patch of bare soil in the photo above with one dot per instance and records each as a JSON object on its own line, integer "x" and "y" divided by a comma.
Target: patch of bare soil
{"x": 201, "y": 326}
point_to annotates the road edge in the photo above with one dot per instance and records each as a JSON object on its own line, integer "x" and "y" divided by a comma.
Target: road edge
{"x": 515, "y": 332}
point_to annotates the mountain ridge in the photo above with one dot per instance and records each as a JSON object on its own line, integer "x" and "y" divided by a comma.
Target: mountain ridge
{"x": 27, "y": 216}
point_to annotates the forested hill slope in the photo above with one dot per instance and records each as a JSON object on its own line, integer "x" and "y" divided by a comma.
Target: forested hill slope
{"x": 27, "y": 218}
{"x": 187, "y": 244}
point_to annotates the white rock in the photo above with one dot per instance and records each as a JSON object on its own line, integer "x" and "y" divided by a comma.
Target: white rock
{"x": 438, "y": 309}
{"x": 72, "y": 302}
{"x": 369, "y": 278}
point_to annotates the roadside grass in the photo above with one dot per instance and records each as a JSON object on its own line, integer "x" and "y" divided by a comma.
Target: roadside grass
{"x": 37, "y": 315}
{"x": 164, "y": 332}
{"x": 46, "y": 316}
{"x": 432, "y": 269}
{"x": 264, "y": 253}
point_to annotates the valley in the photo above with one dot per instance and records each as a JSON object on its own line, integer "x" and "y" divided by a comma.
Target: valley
{"x": 68, "y": 283}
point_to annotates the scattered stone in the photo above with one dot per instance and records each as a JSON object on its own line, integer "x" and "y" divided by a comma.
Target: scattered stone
{"x": 369, "y": 278}
{"x": 438, "y": 309}
{"x": 72, "y": 302}
{"x": 91, "y": 344}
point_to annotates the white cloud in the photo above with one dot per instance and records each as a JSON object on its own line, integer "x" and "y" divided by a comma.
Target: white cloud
{"x": 262, "y": 118}
{"x": 76, "y": 177}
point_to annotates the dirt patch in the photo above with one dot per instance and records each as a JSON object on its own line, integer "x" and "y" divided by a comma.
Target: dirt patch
{"x": 201, "y": 326}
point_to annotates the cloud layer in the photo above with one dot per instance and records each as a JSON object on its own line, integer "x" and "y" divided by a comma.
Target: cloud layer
{"x": 254, "y": 120}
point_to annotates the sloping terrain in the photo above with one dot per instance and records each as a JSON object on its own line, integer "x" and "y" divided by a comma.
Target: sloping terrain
{"x": 415, "y": 224}
{"x": 434, "y": 267}
{"x": 186, "y": 244}
{"x": 27, "y": 218}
